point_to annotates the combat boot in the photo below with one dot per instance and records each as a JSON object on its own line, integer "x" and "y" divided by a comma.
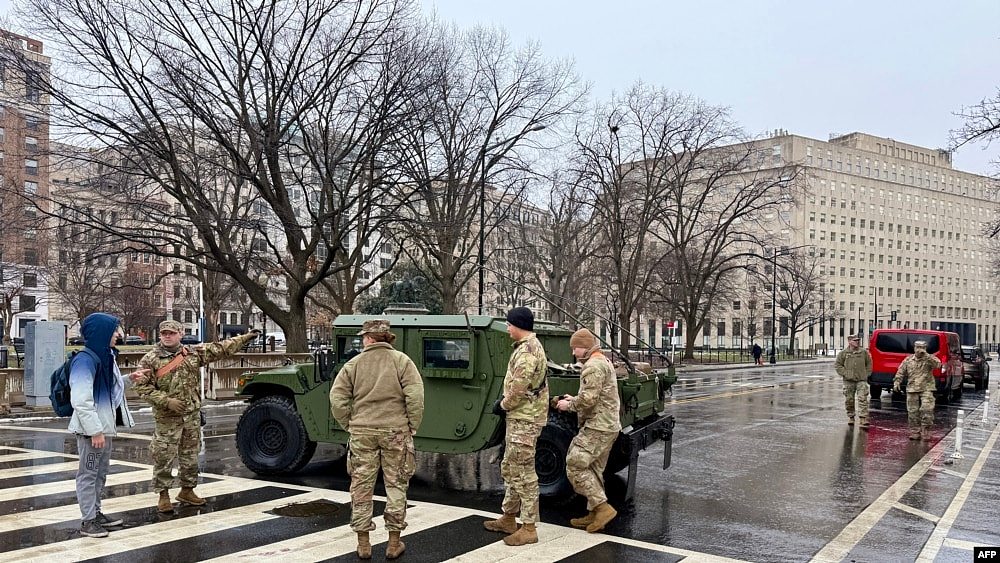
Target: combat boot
{"x": 364, "y": 546}
{"x": 506, "y": 524}
{"x": 603, "y": 514}
{"x": 164, "y": 504}
{"x": 524, "y": 535}
{"x": 850, "y": 419}
{"x": 914, "y": 433}
{"x": 188, "y": 496}
{"x": 863, "y": 422}
{"x": 583, "y": 521}
{"x": 925, "y": 433}
{"x": 396, "y": 547}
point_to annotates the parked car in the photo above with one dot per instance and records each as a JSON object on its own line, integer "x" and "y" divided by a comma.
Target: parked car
{"x": 190, "y": 339}
{"x": 134, "y": 340}
{"x": 976, "y": 367}
{"x": 889, "y": 347}
{"x": 75, "y": 341}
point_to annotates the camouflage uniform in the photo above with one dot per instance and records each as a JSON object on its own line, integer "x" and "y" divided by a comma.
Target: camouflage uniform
{"x": 855, "y": 366}
{"x": 526, "y": 400}
{"x": 920, "y": 386}
{"x": 378, "y": 397}
{"x": 176, "y": 436}
{"x": 597, "y": 407}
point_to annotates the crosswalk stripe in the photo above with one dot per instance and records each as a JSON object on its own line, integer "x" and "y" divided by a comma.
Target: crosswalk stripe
{"x": 341, "y": 540}
{"x": 66, "y": 486}
{"x": 34, "y": 454}
{"x": 39, "y": 469}
{"x": 80, "y": 549}
{"x": 109, "y": 506}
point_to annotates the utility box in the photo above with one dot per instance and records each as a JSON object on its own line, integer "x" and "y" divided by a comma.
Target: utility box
{"x": 44, "y": 352}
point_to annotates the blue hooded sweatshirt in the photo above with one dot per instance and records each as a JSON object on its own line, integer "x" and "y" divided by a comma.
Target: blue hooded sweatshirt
{"x": 97, "y": 388}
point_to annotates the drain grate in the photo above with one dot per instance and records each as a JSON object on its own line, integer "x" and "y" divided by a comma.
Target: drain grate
{"x": 321, "y": 507}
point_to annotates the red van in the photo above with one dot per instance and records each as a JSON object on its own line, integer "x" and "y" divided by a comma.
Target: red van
{"x": 889, "y": 347}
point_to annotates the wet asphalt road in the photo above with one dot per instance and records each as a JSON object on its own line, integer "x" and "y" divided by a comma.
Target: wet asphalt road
{"x": 765, "y": 468}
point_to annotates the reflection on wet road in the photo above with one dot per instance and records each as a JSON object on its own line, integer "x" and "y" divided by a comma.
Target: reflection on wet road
{"x": 765, "y": 468}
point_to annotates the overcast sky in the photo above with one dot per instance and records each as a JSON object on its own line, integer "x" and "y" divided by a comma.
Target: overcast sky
{"x": 897, "y": 69}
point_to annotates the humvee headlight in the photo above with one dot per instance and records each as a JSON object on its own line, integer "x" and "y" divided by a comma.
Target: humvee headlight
{"x": 243, "y": 379}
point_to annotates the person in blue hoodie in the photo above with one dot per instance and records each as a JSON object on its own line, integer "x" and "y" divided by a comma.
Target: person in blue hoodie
{"x": 97, "y": 393}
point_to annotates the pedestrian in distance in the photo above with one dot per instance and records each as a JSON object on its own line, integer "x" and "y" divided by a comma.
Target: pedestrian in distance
{"x": 170, "y": 380}
{"x": 918, "y": 371}
{"x": 756, "y": 352}
{"x": 597, "y": 409}
{"x": 378, "y": 398}
{"x": 854, "y": 364}
{"x": 97, "y": 393}
{"x": 525, "y": 404}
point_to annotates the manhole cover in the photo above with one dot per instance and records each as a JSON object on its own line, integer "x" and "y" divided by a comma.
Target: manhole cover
{"x": 319, "y": 507}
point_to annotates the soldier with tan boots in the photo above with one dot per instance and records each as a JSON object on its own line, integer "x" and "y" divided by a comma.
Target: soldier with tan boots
{"x": 597, "y": 408}
{"x": 378, "y": 397}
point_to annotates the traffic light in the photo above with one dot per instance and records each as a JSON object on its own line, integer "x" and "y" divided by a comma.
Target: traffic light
{"x": 892, "y": 316}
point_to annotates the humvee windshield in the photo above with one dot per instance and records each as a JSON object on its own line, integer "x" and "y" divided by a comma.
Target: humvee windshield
{"x": 348, "y": 347}
{"x": 440, "y": 353}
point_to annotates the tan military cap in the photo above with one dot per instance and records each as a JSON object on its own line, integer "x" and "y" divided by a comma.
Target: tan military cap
{"x": 374, "y": 326}
{"x": 172, "y": 326}
{"x": 920, "y": 344}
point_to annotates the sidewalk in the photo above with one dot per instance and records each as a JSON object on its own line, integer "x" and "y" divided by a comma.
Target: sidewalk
{"x": 696, "y": 368}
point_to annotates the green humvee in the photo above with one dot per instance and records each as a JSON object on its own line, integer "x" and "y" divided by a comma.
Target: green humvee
{"x": 462, "y": 360}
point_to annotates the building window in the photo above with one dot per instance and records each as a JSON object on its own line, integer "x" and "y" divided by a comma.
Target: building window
{"x": 30, "y": 257}
{"x": 31, "y": 166}
{"x": 31, "y": 144}
{"x": 30, "y": 188}
{"x": 26, "y": 303}
{"x": 30, "y": 279}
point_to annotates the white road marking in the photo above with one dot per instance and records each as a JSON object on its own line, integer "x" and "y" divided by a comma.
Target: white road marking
{"x": 933, "y": 545}
{"x": 916, "y": 512}
{"x": 960, "y": 544}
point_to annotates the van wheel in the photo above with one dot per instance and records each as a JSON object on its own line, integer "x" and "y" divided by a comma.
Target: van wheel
{"x": 876, "y": 392}
{"x": 957, "y": 393}
{"x": 980, "y": 383}
{"x": 271, "y": 438}
{"x": 550, "y": 457}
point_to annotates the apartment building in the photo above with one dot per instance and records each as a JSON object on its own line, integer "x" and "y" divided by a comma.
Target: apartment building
{"x": 24, "y": 139}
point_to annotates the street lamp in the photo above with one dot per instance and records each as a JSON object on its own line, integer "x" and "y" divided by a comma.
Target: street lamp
{"x": 482, "y": 206}
{"x": 774, "y": 304}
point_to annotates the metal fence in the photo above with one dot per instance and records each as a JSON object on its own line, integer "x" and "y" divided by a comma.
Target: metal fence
{"x": 712, "y": 355}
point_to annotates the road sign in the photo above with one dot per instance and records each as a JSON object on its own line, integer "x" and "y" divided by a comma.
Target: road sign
{"x": 671, "y": 324}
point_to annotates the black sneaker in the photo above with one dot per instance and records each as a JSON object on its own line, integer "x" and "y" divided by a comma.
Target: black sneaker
{"x": 106, "y": 522}
{"x": 92, "y": 529}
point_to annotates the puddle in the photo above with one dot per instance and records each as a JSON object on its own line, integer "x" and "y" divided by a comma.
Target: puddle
{"x": 321, "y": 507}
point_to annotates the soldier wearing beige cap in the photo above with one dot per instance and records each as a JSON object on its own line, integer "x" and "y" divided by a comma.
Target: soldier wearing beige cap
{"x": 170, "y": 380}
{"x": 597, "y": 408}
{"x": 378, "y": 397}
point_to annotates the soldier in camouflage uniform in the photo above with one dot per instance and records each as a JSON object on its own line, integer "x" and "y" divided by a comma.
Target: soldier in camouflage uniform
{"x": 854, "y": 364}
{"x": 169, "y": 379}
{"x": 597, "y": 409}
{"x": 378, "y": 397}
{"x": 917, "y": 369}
{"x": 526, "y": 404}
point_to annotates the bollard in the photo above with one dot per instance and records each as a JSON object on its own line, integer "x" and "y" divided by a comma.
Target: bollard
{"x": 957, "y": 454}
{"x": 986, "y": 407}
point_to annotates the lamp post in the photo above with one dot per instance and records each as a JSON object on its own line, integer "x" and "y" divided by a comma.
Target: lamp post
{"x": 482, "y": 206}
{"x": 774, "y": 304}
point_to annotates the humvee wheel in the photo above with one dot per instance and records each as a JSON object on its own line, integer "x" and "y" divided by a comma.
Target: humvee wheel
{"x": 271, "y": 438}
{"x": 550, "y": 458}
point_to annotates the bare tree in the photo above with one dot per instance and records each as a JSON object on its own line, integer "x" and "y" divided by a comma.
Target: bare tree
{"x": 471, "y": 135}
{"x": 248, "y": 131}
{"x": 559, "y": 251}
{"x": 982, "y": 124}
{"x": 800, "y": 286}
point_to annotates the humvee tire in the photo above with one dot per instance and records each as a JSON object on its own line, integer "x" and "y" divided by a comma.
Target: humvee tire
{"x": 550, "y": 456}
{"x": 271, "y": 438}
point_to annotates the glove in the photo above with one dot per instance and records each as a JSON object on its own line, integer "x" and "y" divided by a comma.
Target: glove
{"x": 175, "y": 406}
{"x": 255, "y": 331}
{"x": 498, "y": 410}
